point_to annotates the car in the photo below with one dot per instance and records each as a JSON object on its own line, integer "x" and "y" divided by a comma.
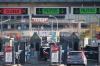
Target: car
{"x": 76, "y": 58}
{"x": 91, "y": 52}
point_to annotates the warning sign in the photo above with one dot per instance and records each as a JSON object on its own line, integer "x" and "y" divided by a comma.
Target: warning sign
{"x": 55, "y": 57}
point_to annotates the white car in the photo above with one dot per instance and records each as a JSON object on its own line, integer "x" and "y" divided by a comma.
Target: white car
{"x": 76, "y": 58}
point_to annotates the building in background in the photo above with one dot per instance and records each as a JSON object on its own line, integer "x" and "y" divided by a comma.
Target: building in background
{"x": 29, "y": 16}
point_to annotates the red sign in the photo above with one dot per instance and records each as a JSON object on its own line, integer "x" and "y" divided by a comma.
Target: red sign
{"x": 13, "y": 11}
{"x": 54, "y": 48}
{"x": 8, "y": 48}
{"x": 39, "y": 20}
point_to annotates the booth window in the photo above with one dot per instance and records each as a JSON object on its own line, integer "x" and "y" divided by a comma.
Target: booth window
{"x": 84, "y": 25}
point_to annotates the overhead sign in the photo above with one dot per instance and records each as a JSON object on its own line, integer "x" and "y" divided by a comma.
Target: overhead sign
{"x": 13, "y": 11}
{"x": 39, "y": 20}
{"x": 86, "y": 10}
{"x": 51, "y": 11}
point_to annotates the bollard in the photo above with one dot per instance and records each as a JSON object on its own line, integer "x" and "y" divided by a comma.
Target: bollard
{"x": 60, "y": 53}
{"x": 54, "y": 53}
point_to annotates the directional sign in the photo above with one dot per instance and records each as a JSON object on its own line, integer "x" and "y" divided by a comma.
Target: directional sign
{"x": 13, "y": 11}
{"x": 86, "y": 10}
{"x": 51, "y": 11}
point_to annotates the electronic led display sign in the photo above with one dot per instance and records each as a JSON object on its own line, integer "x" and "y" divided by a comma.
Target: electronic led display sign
{"x": 13, "y": 11}
{"x": 86, "y": 10}
{"x": 51, "y": 11}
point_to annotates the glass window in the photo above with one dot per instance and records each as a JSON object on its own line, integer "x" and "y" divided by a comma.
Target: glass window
{"x": 75, "y": 53}
{"x": 23, "y": 26}
{"x": 61, "y": 26}
{"x": 18, "y": 26}
{"x": 5, "y": 26}
{"x": 5, "y": 17}
{"x": 26, "y": 17}
{"x": 12, "y": 26}
{"x": 75, "y": 25}
{"x": 18, "y": 17}
{"x": 12, "y": 17}
{"x": 84, "y": 25}
{"x": 35, "y": 26}
{"x": 27, "y": 25}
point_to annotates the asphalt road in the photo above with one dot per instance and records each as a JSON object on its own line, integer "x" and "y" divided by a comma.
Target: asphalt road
{"x": 90, "y": 63}
{"x": 43, "y": 63}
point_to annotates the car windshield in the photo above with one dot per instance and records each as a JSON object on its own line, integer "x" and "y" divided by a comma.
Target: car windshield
{"x": 75, "y": 53}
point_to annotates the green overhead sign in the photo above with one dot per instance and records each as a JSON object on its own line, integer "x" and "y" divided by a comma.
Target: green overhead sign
{"x": 86, "y": 10}
{"x": 51, "y": 11}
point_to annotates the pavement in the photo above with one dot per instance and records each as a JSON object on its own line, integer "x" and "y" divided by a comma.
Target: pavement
{"x": 47, "y": 63}
{"x": 92, "y": 63}
{"x": 33, "y": 61}
{"x": 43, "y": 63}
{"x": 40, "y": 63}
